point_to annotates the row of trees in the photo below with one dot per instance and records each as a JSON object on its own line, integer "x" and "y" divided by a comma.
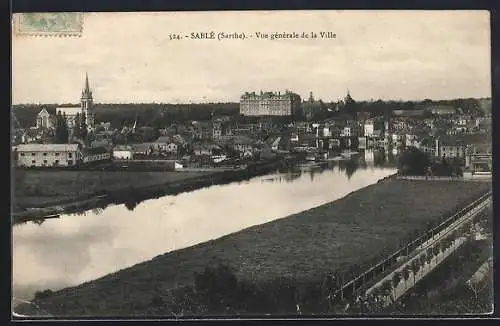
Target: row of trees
{"x": 377, "y": 300}
{"x": 415, "y": 162}
{"x": 158, "y": 115}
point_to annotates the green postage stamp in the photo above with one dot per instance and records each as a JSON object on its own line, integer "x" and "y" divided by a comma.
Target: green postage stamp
{"x": 48, "y": 24}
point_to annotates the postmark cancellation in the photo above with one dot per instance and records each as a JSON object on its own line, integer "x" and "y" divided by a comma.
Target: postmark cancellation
{"x": 48, "y": 24}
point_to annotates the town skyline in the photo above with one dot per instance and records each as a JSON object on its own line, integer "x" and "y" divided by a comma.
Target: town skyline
{"x": 386, "y": 55}
{"x": 304, "y": 98}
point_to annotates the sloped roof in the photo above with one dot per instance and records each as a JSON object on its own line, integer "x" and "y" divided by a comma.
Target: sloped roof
{"x": 44, "y": 112}
{"x": 163, "y": 139}
{"x": 450, "y": 141}
{"x": 243, "y": 140}
{"x": 122, "y": 148}
{"x": 95, "y": 150}
{"x": 141, "y": 147}
{"x": 69, "y": 110}
{"x": 48, "y": 148}
{"x": 206, "y": 145}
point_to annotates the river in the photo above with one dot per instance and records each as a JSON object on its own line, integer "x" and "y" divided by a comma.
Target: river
{"x": 76, "y": 248}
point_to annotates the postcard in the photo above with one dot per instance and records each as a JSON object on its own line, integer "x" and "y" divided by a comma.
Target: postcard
{"x": 251, "y": 164}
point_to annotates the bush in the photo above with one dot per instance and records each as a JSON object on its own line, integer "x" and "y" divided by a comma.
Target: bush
{"x": 413, "y": 162}
{"x": 396, "y": 279}
{"x": 39, "y": 295}
{"x": 218, "y": 286}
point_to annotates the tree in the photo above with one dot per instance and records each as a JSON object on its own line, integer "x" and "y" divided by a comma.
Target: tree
{"x": 65, "y": 129}
{"x": 422, "y": 260}
{"x": 386, "y": 288}
{"x": 443, "y": 245}
{"x": 415, "y": 267}
{"x": 83, "y": 127}
{"x": 413, "y": 162}
{"x": 61, "y": 132}
{"x": 406, "y": 271}
{"x": 77, "y": 128}
{"x": 396, "y": 279}
{"x": 429, "y": 255}
{"x": 218, "y": 285}
{"x": 436, "y": 249}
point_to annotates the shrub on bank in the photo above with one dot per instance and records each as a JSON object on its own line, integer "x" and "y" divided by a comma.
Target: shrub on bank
{"x": 218, "y": 291}
{"x": 43, "y": 294}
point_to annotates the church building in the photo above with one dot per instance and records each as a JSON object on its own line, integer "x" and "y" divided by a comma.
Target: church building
{"x": 86, "y": 107}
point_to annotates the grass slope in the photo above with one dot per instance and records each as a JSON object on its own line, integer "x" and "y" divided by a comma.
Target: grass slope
{"x": 330, "y": 237}
{"x": 39, "y": 187}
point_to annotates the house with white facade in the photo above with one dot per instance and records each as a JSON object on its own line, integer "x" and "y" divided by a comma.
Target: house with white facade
{"x": 346, "y": 132}
{"x": 412, "y": 140}
{"x": 48, "y": 155}
{"x": 45, "y": 120}
{"x": 449, "y": 147}
{"x": 369, "y": 128}
{"x": 123, "y": 152}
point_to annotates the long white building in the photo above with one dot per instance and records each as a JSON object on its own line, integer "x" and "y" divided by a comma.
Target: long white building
{"x": 47, "y": 155}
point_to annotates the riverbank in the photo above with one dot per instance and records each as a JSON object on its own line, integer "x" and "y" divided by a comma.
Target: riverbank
{"x": 41, "y": 193}
{"x": 359, "y": 228}
{"x": 43, "y": 188}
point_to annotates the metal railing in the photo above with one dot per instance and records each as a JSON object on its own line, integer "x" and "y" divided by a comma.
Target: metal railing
{"x": 355, "y": 284}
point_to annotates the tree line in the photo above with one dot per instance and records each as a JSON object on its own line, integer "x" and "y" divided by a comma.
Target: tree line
{"x": 159, "y": 115}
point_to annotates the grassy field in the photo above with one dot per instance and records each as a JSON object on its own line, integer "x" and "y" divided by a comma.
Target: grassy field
{"x": 39, "y": 187}
{"x": 328, "y": 238}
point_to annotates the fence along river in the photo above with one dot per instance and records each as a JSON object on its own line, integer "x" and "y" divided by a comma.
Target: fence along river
{"x": 372, "y": 280}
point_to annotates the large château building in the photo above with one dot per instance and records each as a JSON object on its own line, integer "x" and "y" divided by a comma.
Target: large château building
{"x": 86, "y": 108}
{"x": 270, "y": 104}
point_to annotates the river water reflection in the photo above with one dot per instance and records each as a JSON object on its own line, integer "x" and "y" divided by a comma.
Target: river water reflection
{"x": 76, "y": 248}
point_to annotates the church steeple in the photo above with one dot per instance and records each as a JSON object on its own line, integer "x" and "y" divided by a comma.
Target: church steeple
{"x": 348, "y": 98}
{"x": 86, "y": 92}
{"x": 87, "y": 103}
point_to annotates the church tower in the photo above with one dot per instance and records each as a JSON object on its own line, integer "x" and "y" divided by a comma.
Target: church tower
{"x": 348, "y": 99}
{"x": 87, "y": 104}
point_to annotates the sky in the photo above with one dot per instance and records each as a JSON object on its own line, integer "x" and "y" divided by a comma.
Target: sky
{"x": 129, "y": 57}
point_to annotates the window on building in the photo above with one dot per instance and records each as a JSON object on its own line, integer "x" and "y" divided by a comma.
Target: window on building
{"x": 57, "y": 154}
{"x": 32, "y": 154}
{"x": 22, "y": 154}
{"x": 70, "y": 155}
{"x": 44, "y": 154}
{"x": 44, "y": 161}
{"x": 33, "y": 162}
{"x": 57, "y": 162}
{"x": 70, "y": 162}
